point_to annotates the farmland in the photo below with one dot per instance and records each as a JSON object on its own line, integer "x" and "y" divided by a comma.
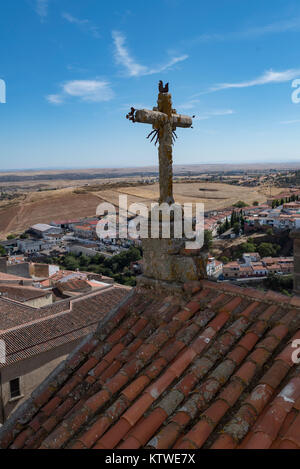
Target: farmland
{"x": 68, "y": 203}
{"x": 214, "y": 196}
{"x": 29, "y": 197}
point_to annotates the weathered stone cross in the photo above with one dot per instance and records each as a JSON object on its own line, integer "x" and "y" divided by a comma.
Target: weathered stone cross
{"x": 164, "y": 121}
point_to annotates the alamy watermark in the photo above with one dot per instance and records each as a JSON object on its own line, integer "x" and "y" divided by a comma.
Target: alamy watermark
{"x": 164, "y": 220}
{"x": 2, "y": 91}
{"x": 296, "y": 94}
{"x": 296, "y": 353}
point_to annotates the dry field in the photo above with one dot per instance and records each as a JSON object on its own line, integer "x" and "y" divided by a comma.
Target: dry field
{"x": 44, "y": 207}
{"x": 212, "y": 195}
{"x": 67, "y": 203}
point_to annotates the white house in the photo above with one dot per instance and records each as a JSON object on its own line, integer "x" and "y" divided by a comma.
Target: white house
{"x": 214, "y": 268}
{"x": 30, "y": 246}
{"x": 42, "y": 229}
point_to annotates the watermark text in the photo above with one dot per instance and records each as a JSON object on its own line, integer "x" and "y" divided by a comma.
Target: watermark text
{"x": 162, "y": 220}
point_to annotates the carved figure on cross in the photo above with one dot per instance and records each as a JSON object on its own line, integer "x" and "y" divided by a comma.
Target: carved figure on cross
{"x": 164, "y": 120}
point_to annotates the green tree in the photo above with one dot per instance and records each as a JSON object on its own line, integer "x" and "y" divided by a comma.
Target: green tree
{"x": 208, "y": 240}
{"x": 71, "y": 263}
{"x": 224, "y": 259}
{"x": 232, "y": 218}
{"x": 242, "y": 222}
{"x": 96, "y": 268}
{"x": 268, "y": 249}
{"x": 283, "y": 284}
{"x": 244, "y": 247}
{"x": 240, "y": 204}
{"x": 236, "y": 228}
{"x": 84, "y": 260}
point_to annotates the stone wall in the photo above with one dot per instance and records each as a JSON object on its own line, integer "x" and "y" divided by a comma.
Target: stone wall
{"x": 167, "y": 261}
{"x": 41, "y": 301}
{"x": 31, "y": 372}
{"x": 22, "y": 269}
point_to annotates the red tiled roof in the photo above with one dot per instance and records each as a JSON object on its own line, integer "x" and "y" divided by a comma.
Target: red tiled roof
{"x": 13, "y": 313}
{"x": 210, "y": 369}
{"x": 28, "y": 331}
{"x": 73, "y": 285}
{"x": 83, "y": 227}
{"x": 5, "y": 277}
{"x": 62, "y": 222}
{"x": 233, "y": 264}
{"x": 63, "y": 275}
{"x": 22, "y": 293}
{"x": 245, "y": 268}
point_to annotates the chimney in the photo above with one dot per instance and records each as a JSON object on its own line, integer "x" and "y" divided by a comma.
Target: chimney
{"x": 295, "y": 235}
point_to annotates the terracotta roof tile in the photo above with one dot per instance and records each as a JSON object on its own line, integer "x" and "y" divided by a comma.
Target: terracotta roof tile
{"x": 210, "y": 369}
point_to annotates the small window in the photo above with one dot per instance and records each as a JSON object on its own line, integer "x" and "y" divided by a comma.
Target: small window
{"x": 15, "y": 388}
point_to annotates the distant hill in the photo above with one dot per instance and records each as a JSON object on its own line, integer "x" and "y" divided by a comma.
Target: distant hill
{"x": 110, "y": 173}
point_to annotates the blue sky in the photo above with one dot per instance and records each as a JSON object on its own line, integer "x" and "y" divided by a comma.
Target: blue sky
{"x": 73, "y": 68}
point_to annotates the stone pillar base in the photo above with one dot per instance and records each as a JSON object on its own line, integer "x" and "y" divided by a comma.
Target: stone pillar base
{"x": 167, "y": 261}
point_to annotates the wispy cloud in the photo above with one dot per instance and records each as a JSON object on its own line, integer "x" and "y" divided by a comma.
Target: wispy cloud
{"x": 76, "y": 68}
{"x": 136, "y": 105}
{"x": 282, "y": 26}
{"x": 41, "y": 7}
{"x": 92, "y": 91}
{"x": 84, "y": 25}
{"x": 270, "y": 76}
{"x": 218, "y": 112}
{"x": 295, "y": 121}
{"x": 132, "y": 67}
{"x": 55, "y": 98}
{"x": 190, "y": 104}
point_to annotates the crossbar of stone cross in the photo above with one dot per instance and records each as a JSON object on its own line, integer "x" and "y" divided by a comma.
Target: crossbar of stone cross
{"x": 164, "y": 120}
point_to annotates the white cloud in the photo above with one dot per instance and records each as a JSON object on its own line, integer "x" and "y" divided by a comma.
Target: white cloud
{"x": 270, "y": 76}
{"x": 54, "y": 98}
{"x": 89, "y": 90}
{"x": 41, "y": 8}
{"x": 210, "y": 114}
{"x": 93, "y": 91}
{"x": 189, "y": 104}
{"x": 295, "y": 121}
{"x": 282, "y": 26}
{"x": 84, "y": 25}
{"x": 134, "y": 69}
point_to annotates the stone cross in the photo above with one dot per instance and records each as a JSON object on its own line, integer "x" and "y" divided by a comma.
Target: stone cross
{"x": 164, "y": 122}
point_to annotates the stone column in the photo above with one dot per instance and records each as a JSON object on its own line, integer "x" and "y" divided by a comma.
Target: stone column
{"x": 164, "y": 105}
{"x": 165, "y": 164}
